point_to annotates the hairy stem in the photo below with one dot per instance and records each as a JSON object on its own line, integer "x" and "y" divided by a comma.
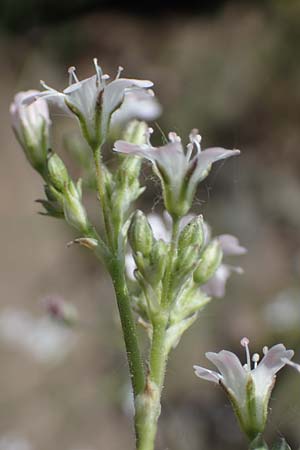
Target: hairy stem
{"x": 148, "y": 405}
{"x": 128, "y": 326}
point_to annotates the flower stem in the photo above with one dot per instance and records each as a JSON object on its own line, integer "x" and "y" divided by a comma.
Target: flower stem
{"x": 148, "y": 405}
{"x": 128, "y": 326}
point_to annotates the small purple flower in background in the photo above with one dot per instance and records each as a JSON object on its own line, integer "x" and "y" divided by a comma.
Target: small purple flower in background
{"x": 230, "y": 245}
{"x": 93, "y": 100}
{"x": 179, "y": 169}
{"x": 248, "y": 388}
{"x": 31, "y": 125}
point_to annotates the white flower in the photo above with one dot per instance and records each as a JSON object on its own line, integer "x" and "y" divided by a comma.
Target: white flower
{"x": 230, "y": 245}
{"x": 93, "y": 100}
{"x": 248, "y": 388}
{"x": 180, "y": 170}
{"x": 139, "y": 104}
{"x": 31, "y": 124}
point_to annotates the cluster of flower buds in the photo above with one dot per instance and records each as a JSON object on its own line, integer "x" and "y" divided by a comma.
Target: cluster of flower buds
{"x": 195, "y": 271}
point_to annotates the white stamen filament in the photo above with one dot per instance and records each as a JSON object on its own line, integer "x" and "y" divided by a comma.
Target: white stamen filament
{"x": 72, "y": 75}
{"x": 245, "y": 344}
{"x": 99, "y": 74}
{"x": 255, "y": 359}
{"x": 120, "y": 70}
{"x": 45, "y": 86}
{"x": 189, "y": 152}
{"x": 148, "y": 135}
{"x": 173, "y": 137}
{"x": 265, "y": 350}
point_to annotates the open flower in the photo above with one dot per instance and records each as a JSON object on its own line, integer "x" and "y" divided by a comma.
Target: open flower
{"x": 248, "y": 388}
{"x": 230, "y": 245}
{"x": 31, "y": 125}
{"x": 93, "y": 100}
{"x": 180, "y": 170}
{"x": 138, "y": 104}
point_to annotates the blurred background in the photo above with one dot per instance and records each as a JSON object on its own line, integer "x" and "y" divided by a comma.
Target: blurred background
{"x": 229, "y": 68}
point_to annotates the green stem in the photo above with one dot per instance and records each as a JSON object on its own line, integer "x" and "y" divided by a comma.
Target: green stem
{"x": 168, "y": 275}
{"x": 128, "y": 325}
{"x": 148, "y": 405}
{"x": 117, "y": 271}
{"x": 102, "y": 195}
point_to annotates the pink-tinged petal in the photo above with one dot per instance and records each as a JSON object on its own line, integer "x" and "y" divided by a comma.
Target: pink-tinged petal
{"x": 169, "y": 159}
{"x": 114, "y": 92}
{"x": 206, "y": 158}
{"x": 215, "y": 287}
{"x": 291, "y": 363}
{"x": 132, "y": 149}
{"x": 264, "y": 375}
{"x": 232, "y": 371}
{"x": 138, "y": 104}
{"x": 206, "y": 374}
{"x": 272, "y": 362}
{"x": 230, "y": 245}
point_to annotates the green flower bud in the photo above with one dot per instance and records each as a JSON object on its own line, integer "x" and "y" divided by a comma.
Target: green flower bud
{"x": 135, "y": 132}
{"x": 58, "y": 173}
{"x": 75, "y": 213}
{"x": 191, "y": 235}
{"x": 159, "y": 260}
{"x": 258, "y": 443}
{"x": 210, "y": 260}
{"x": 140, "y": 234}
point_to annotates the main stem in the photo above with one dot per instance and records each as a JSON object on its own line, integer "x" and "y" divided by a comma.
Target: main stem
{"x": 150, "y": 406}
{"x": 117, "y": 271}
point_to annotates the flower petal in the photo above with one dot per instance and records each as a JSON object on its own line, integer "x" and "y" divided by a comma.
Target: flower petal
{"x": 232, "y": 371}
{"x": 114, "y": 92}
{"x": 206, "y": 158}
{"x": 230, "y": 245}
{"x": 215, "y": 287}
{"x": 206, "y": 374}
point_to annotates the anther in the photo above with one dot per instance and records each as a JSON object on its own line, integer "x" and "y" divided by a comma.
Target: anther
{"x": 255, "y": 359}
{"x": 72, "y": 75}
{"x": 120, "y": 70}
{"x": 173, "y": 137}
{"x": 245, "y": 344}
{"x": 265, "y": 350}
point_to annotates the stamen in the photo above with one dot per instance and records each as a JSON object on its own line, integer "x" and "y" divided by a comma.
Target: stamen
{"x": 148, "y": 135}
{"x": 99, "y": 75}
{"x": 72, "y": 75}
{"x": 265, "y": 350}
{"x": 189, "y": 152}
{"x": 173, "y": 137}
{"x": 255, "y": 359}
{"x": 120, "y": 70}
{"x": 195, "y": 139}
{"x": 45, "y": 86}
{"x": 245, "y": 344}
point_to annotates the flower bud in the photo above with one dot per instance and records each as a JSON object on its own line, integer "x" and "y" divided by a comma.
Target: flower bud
{"x": 258, "y": 443}
{"x": 136, "y": 132}
{"x": 191, "y": 235}
{"x": 140, "y": 234}
{"x": 58, "y": 173}
{"x": 61, "y": 311}
{"x": 31, "y": 125}
{"x": 210, "y": 260}
{"x": 75, "y": 213}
